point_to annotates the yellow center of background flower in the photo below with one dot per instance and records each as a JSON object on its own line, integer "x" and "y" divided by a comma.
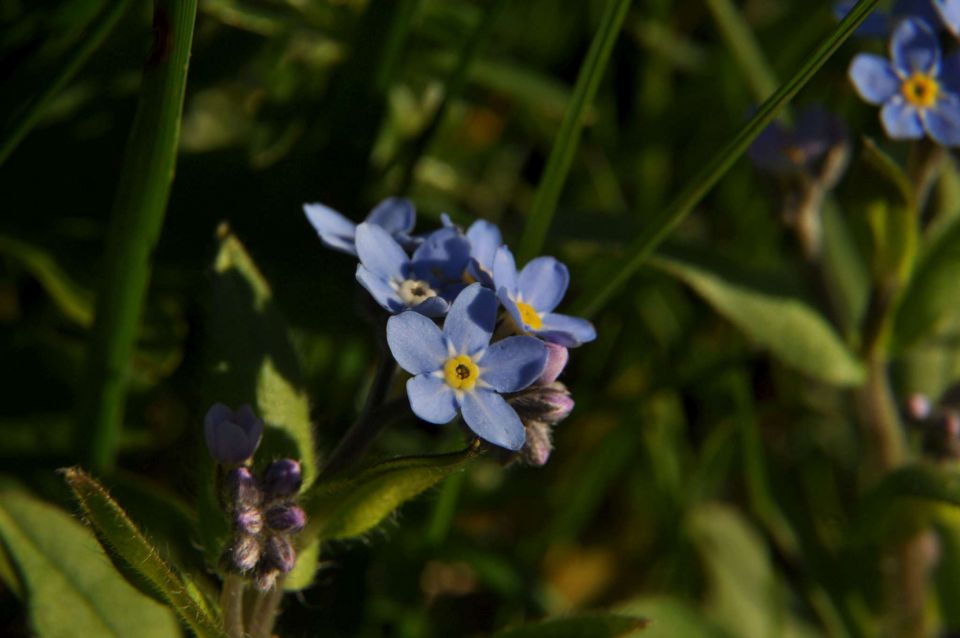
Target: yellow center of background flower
{"x": 529, "y": 315}
{"x": 460, "y": 372}
{"x": 920, "y": 90}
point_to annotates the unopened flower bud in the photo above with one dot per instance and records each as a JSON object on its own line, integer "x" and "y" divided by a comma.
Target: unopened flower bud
{"x": 265, "y": 579}
{"x": 283, "y": 478}
{"x": 279, "y": 554}
{"x": 550, "y": 403}
{"x": 232, "y": 437}
{"x": 244, "y": 553}
{"x": 557, "y": 357}
{"x": 243, "y": 489}
{"x": 248, "y": 521}
{"x": 286, "y": 519}
{"x": 538, "y": 446}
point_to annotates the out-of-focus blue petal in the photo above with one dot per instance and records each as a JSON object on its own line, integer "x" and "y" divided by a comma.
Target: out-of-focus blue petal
{"x": 380, "y": 253}
{"x": 914, "y": 47}
{"x": 395, "y": 215}
{"x": 380, "y": 290}
{"x": 817, "y": 131}
{"x": 943, "y": 121}
{"x": 950, "y": 72}
{"x": 566, "y": 330}
{"x": 901, "y": 121}
{"x": 335, "y": 230}
{"x": 949, "y": 11}
{"x": 873, "y": 78}
{"x": 922, "y": 9}
{"x": 431, "y": 399}
{"x": 484, "y": 238}
{"x": 511, "y": 307}
{"x": 446, "y": 222}
{"x": 876, "y": 24}
{"x": 505, "y": 270}
{"x": 543, "y": 282}
{"x": 470, "y": 322}
{"x": 442, "y": 257}
{"x": 766, "y": 152}
{"x": 512, "y": 364}
{"x": 416, "y": 343}
{"x": 492, "y": 419}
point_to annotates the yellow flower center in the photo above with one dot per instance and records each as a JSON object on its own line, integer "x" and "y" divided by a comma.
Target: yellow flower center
{"x": 529, "y": 316}
{"x": 920, "y": 90}
{"x": 460, "y": 372}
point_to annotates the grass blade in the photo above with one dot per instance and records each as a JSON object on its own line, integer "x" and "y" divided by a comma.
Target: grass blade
{"x": 561, "y": 155}
{"x": 739, "y": 38}
{"x": 135, "y": 224}
{"x": 662, "y": 225}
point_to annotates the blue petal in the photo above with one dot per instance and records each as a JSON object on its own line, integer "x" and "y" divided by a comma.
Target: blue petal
{"x": 876, "y": 24}
{"x": 395, "y": 215}
{"x": 914, "y": 47}
{"x": 484, "y": 239}
{"x": 431, "y": 399}
{"x": 543, "y": 282}
{"x": 511, "y": 307}
{"x": 479, "y": 273}
{"x": 513, "y": 363}
{"x": 416, "y": 343}
{"x": 380, "y": 290}
{"x": 432, "y": 307}
{"x": 901, "y": 121}
{"x": 949, "y": 11}
{"x": 380, "y": 253}
{"x": 566, "y": 330}
{"x": 950, "y": 72}
{"x": 335, "y": 230}
{"x": 492, "y": 419}
{"x": 469, "y": 324}
{"x": 922, "y": 9}
{"x": 505, "y": 270}
{"x": 874, "y": 78}
{"x": 943, "y": 121}
{"x": 442, "y": 257}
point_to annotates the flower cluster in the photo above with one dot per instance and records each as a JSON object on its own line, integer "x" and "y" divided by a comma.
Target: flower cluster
{"x": 480, "y": 338}
{"x": 262, "y": 510}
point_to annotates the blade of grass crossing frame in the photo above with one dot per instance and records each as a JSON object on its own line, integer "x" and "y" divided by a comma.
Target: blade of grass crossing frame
{"x": 660, "y": 227}
{"x": 135, "y": 223}
{"x": 568, "y": 137}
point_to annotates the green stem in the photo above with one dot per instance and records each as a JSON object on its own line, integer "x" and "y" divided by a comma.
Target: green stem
{"x": 231, "y": 605}
{"x": 568, "y": 137}
{"x": 662, "y": 225}
{"x": 135, "y": 224}
{"x": 265, "y": 612}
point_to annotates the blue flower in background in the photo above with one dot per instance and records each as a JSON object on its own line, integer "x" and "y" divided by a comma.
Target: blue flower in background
{"x": 949, "y": 11}
{"x": 918, "y": 91}
{"x": 878, "y": 24}
{"x": 395, "y": 215}
{"x": 459, "y": 370}
{"x": 531, "y": 297}
{"x": 424, "y": 282}
{"x": 808, "y": 148}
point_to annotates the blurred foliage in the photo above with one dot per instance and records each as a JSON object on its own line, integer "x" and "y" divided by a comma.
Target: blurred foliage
{"x": 711, "y": 478}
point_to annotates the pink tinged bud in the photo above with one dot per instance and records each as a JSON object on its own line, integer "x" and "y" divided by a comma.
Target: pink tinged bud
{"x": 283, "y": 478}
{"x": 919, "y": 406}
{"x": 952, "y": 424}
{"x": 561, "y": 405}
{"x": 279, "y": 554}
{"x": 245, "y": 553}
{"x": 232, "y": 437}
{"x": 243, "y": 490}
{"x": 557, "y": 357}
{"x": 286, "y": 519}
{"x": 265, "y": 580}
{"x": 248, "y": 521}
{"x": 538, "y": 446}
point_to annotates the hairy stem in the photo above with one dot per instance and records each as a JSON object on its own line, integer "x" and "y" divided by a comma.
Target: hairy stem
{"x": 265, "y": 611}
{"x": 231, "y": 605}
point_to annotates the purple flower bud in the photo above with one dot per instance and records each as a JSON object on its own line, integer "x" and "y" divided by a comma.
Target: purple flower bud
{"x": 232, "y": 437}
{"x": 557, "y": 357}
{"x": 265, "y": 580}
{"x": 283, "y": 478}
{"x": 286, "y": 519}
{"x": 548, "y": 403}
{"x": 279, "y": 554}
{"x": 244, "y": 554}
{"x": 538, "y": 445}
{"x": 248, "y": 521}
{"x": 243, "y": 489}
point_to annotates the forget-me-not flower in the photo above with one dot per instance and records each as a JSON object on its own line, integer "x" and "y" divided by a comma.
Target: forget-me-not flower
{"x": 815, "y": 147}
{"x": 919, "y": 91}
{"x": 484, "y": 238}
{"x": 395, "y": 215}
{"x": 531, "y": 296}
{"x": 949, "y": 11}
{"x": 459, "y": 370}
{"x": 425, "y": 282}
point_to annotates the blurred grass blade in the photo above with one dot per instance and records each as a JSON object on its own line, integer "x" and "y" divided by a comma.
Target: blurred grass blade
{"x": 596, "y": 625}
{"x": 136, "y": 220}
{"x": 28, "y": 113}
{"x": 663, "y": 224}
{"x": 568, "y": 137}
{"x": 739, "y": 38}
{"x": 128, "y": 546}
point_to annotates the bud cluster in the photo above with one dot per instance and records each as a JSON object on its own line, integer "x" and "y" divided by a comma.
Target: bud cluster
{"x": 542, "y": 406}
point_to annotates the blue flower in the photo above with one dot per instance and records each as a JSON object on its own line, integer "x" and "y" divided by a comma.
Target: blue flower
{"x": 949, "y": 11}
{"x": 232, "y": 437}
{"x": 459, "y": 370}
{"x": 425, "y": 282}
{"x": 394, "y": 214}
{"x": 919, "y": 92}
{"x": 485, "y": 239}
{"x": 815, "y": 147}
{"x": 531, "y": 296}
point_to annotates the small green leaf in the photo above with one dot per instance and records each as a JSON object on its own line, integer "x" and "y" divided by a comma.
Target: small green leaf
{"x": 71, "y": 588}
{"x": 355, "y": 502}
{"x": 606, "y": 625}
{"x": 302, "y": 574}
{"x": 672, "y": 617}
{"x": 788, "y": 327}
{"x": 920, "y": 481}
{"x": 129, "y": 547}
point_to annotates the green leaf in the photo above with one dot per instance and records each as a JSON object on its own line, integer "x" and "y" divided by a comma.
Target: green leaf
{"x": 789, "y": 328}
{"x": 303, "y": 572}
{"x": 568, "y": 137}
{"x": 672, "y": 617}
{"x": 607, "y": 625}
{"x": 71, "y": 588}
{"x": 355, "y": 502}
{"x": 920, "y": 481}
{"x": 129, "y": 548}
{"x": 660, "y": 227}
